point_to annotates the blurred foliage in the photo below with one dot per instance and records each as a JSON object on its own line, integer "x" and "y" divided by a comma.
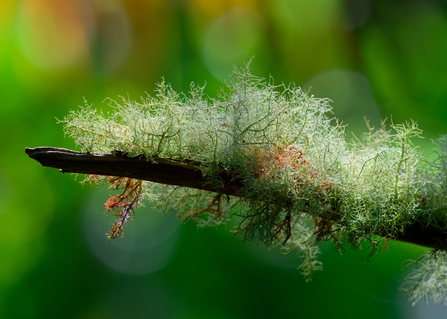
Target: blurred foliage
{"x": 55, "y": 53}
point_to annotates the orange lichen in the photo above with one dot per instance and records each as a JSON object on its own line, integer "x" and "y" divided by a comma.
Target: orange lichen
{"x": 280, "y": 159}
{"x": 269, "y": 166}
{"x": 123, "y": 205}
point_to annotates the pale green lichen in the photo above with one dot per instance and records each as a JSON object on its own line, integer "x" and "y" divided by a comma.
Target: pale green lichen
{"x": 428, "y": 279}
{"x": 304, "y": 182}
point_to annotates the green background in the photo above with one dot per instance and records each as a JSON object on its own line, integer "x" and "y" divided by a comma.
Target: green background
{"x": 372, "y": 58}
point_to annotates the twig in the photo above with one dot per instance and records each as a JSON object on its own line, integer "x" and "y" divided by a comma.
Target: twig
{"x": 158, "y": 170}
{"x": 187, "y": 174}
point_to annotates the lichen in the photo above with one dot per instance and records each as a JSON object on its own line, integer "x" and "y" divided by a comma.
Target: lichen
{"x": 304, "y": 182}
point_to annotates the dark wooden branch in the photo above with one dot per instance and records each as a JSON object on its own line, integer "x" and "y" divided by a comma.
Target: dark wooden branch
{"x": 171, "y": 172}
{"x": 160, "y": 170}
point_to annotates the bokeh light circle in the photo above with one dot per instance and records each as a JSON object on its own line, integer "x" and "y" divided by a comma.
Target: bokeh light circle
{"x": 149, "y": 243}
{"x": 234, "y": 37}
{"x": 351, "y": 94}
{"x": 56, "y": 35}
{"x": 53, "y": 35}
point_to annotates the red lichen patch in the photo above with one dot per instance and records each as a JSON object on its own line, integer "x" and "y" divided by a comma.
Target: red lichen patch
{"x": 281, "y": 159}
{"x": 270, "y": 165}
{"x": 122, "y": 206}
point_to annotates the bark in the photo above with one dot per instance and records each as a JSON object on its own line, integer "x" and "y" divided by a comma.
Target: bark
{"x": 186, "y": 174}
{"x": 158, "y": 170}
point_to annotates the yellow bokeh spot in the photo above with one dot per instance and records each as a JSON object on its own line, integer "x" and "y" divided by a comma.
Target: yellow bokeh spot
{"x": 53, "y": 34}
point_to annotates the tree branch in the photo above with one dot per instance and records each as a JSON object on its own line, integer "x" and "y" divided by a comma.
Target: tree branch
{"x": 186, "y": 174}
{"x": 159, "y": 170}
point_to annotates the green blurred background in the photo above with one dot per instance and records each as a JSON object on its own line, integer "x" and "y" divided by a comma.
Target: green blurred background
{"x": 372, "y": 58}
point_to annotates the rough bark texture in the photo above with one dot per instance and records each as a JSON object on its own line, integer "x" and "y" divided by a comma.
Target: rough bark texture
{"x": 186, "y": 174}
{"x": 158, "y": 170}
